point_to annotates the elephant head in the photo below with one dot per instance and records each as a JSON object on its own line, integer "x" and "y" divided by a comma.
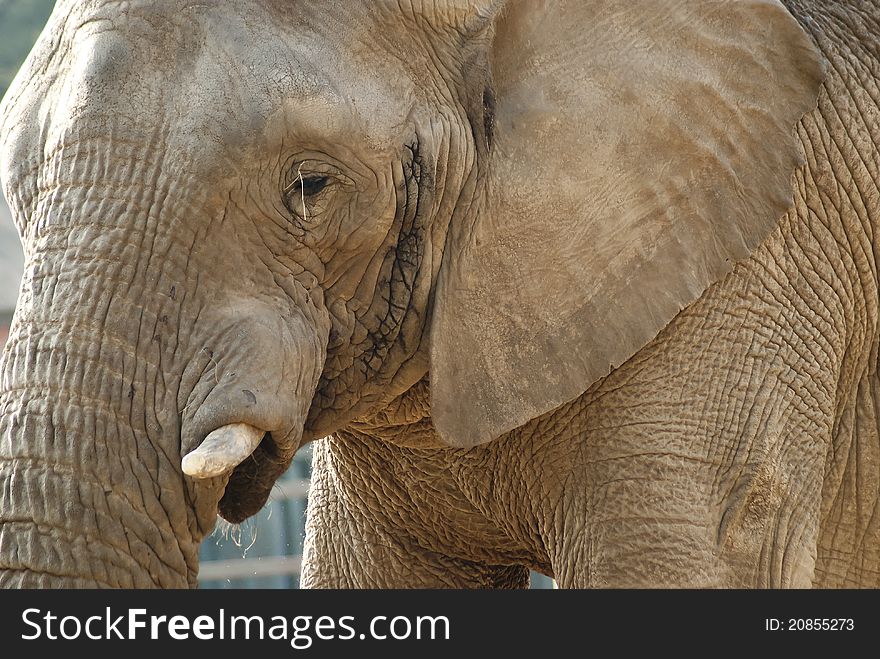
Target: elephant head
{"x": 249, "y": 224}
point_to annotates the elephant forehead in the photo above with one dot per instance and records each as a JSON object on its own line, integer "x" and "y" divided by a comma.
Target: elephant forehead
{"x": 232, "y": 75}
{"x": 321, "y": 85}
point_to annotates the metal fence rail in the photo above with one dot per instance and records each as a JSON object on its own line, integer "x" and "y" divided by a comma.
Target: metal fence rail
{"x": 243, "y": 568}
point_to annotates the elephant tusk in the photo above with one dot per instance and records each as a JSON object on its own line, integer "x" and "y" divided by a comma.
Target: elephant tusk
{"x": 222, "y": 451}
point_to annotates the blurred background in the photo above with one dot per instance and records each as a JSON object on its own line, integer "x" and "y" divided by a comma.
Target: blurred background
{"x": 265, "y": 551}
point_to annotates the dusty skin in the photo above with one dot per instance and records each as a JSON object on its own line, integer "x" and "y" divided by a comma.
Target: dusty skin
{"x": 584, "y": 287}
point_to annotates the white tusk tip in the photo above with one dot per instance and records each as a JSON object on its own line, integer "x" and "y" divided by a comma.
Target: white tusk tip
{"x": 222, "y": 451}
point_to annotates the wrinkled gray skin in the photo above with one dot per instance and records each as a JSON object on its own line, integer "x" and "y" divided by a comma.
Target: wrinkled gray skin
{"x": 547, "y": 325}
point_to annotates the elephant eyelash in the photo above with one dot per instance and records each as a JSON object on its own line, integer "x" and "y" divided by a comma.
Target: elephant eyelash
{"x": 304, "y": 188}
{"x": 308, "y": 186}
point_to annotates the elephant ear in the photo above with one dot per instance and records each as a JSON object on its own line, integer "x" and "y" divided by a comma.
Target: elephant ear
{"x": 639, "y": 149}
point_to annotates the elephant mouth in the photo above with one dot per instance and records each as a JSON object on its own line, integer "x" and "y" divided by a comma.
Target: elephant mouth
{"x": 251, "y": 482}
{"x": 251, "y": 457}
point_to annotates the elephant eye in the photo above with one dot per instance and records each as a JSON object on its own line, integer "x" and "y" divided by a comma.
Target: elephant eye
{"x": 309, "y": 186}
{"x": 302, "y": 193}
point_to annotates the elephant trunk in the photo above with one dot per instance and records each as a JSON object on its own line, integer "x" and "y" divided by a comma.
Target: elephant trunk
{"x": 73, "y": 512}
{"x": 90, "y": 486}
{"x": 87, "y": 498}
{"x": 118, "y": 365}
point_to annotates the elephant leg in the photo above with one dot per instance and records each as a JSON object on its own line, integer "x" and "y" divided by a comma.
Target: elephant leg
{"x": 362, "y": 533}
{"x": 670, "y": 518}
{"x": 702, "y": 459}
{"x": 769, "y": 527}
{"x": 849, "y": 541}
{"x": 633, "y": 534}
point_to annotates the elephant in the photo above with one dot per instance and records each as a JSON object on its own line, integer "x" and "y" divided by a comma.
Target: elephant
{"x": 586, "y": 287}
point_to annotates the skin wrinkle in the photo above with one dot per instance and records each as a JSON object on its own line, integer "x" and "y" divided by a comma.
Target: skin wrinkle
{"x": 74, "y": 530}
{"x": 376, "y": 343}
